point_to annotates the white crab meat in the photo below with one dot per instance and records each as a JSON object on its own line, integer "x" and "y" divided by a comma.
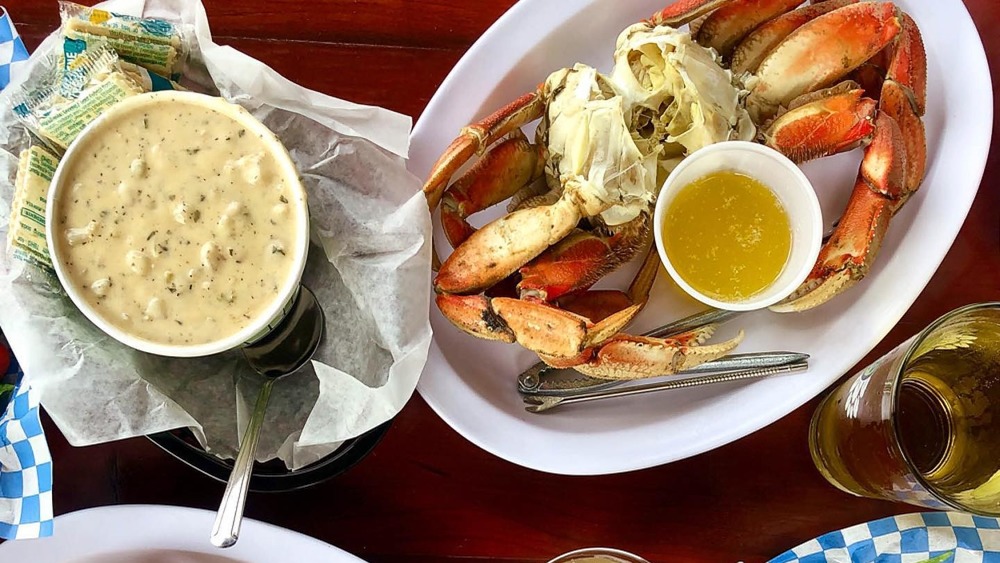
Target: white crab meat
{"x": 677, "y": 91}
{"x": 591, "y": 149}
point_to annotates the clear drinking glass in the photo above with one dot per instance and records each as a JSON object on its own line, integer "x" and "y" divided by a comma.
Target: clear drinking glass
{"x": 921, "y": 425}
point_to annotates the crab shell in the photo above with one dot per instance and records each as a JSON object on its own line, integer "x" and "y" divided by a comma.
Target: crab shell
{"x": 582, "y": 192}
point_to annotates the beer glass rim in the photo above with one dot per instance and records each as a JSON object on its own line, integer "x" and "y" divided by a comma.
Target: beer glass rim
{"x": 897, "y": 376}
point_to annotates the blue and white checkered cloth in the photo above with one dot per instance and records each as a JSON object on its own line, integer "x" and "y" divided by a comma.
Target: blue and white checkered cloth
{"x": 13, "y": 54}
{"x": 25, "y": 462}
{"x": 910, "y": 538}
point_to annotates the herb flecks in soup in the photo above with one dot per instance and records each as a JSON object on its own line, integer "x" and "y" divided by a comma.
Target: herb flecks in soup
{"x": 178, "y": 225}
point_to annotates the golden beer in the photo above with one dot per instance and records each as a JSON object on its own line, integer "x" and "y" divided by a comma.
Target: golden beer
{"x": 922, "y": 424}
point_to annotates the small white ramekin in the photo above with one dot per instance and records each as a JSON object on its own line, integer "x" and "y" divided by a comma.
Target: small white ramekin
{"x": 288, "y": 287}
{"x": 788, "y": 183}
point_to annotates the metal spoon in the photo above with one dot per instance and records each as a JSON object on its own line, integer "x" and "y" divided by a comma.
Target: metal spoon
{"x": 281, "y": 352}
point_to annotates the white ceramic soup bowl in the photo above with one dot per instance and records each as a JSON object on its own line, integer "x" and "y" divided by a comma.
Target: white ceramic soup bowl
{"x": 288, "y": 283}
{"x": 785, "y": 180}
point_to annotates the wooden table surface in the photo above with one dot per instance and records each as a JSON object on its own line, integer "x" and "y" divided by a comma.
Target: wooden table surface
{"x": 426, "y": 494}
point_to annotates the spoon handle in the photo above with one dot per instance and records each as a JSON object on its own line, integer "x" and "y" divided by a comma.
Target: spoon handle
{"x": 226, "y": 530}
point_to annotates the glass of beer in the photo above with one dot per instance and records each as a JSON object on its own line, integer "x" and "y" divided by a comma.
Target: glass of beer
{"x": 921, "y": 425}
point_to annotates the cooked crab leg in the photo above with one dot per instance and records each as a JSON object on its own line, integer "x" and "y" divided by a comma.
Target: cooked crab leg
{"x": 908, "y": 63}
{"x": 542, "y": 328}
{"x": 553, "y": 332}
{"x": 535, "y": 325}
{"x": 825, "y": 123}
{"x": 475, "y": 139}
{"x": 608, "y": 321}
{"x": 564, "y": 272}
{"x": 751, "y": 51}
{"x": 579, "y": 260}
{"x": 870, "y": 77}
{"x": 504, "y": 245}
{"x": 878, "y": 192}
{"x": 904, "y": 97}
{"x": 527, "y": 277}
{"x": 683, "y": 12}
{"x": 821, "y": 52}
{"x": 891, "y": 172}
{"x": 728, "y": 25}
{"x": 631, "y": 357}
{"x": 504, "y": 170}
{"x": 595, "y": 304}
{"x": 607, "y": 353}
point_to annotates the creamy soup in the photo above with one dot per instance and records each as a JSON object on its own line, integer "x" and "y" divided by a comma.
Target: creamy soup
{"x": 177, "y": 223}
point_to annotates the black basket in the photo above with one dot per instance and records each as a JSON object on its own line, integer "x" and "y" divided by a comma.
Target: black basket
{"x": 273, "y": 476}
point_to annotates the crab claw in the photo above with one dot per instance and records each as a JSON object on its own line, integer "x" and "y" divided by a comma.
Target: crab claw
{"x": 904, "y": 97}
{"x": 895, "y": 101}
{"x": 504, "y": 245}
{"x": 476, "y": 138}
{"x": 820, "y": 53}
{"x": 579, "y": 260}
{"x": 683, "y": 12}
{"x": 751, "y": 51}
{"x": 629, "y": 357}
{"x": 475, "y": 316}
{"x": 502, "y": 172}
{"x": 825, "y": 123}
{"x": 535, "y": 325}
{"x": 728, "y": 25}
{"x": 908, "y": 64}
{"x": 574, "y": 334}
{"x": 848, "y": 255}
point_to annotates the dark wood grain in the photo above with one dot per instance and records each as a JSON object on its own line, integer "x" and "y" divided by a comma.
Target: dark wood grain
{"x": 446, "y": 24}
{"x": 426, "y": 494}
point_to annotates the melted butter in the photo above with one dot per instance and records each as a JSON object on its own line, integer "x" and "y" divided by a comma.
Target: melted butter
{"x": 178, "y": 225}
{"x": 727, "y": 235}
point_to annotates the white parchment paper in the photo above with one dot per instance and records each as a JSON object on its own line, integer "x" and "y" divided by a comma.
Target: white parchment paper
{"x": 369, "y": 265}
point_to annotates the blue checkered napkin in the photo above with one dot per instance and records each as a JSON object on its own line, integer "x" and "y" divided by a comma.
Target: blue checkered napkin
{"x": 25, "y": 463}
{"x": 911, "y": 538}
{"x": 13, "y": 55}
